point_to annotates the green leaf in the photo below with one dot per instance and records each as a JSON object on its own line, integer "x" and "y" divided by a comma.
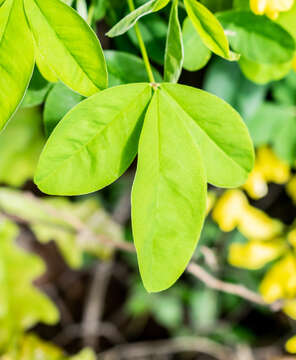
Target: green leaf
{"x": 287, "y": 20}
{"x": 174, "y": 53}
{"x": 22, "y": 305}
{"x": 257, "y": 38}
{"x": 95, "y": 142}
{"x": 68, "y": 45}
{"x": 16, "y": 57}
{"x": 59, "y": 101}
{"x": 19, "y": 157}
{"x": 208, "y": 28}
{"x": 169, "y": 195}
{"x": 196, "y": 54}
{"x": 124, "y": 68}
{"x": 130, "y": 20}
{"x": 219, "y": 131}
{"x": 263, "y": 73}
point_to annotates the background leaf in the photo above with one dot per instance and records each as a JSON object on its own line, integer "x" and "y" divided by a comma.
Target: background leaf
{"x": 196, "y": 54}
{"x": 68, "y": 45}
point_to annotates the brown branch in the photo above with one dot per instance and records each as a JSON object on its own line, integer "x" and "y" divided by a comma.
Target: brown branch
{"x": 234, "y": 289}
{"x": 142, "y": 350}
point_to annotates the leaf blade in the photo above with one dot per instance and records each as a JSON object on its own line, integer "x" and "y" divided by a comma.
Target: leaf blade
{"x": 84, "y": 156}
{"x": 220, "y": 132}
{"x": 174, "y": 53}
{"x": 16, "y": 58}
{"x": 166, "y": 202}
{"x": 68, "y": 44}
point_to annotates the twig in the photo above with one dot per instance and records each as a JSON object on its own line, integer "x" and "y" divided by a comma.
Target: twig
{"x": 94, "y": 307}
{"x": 168, "y": 347}
{"x": 234, "y": 289}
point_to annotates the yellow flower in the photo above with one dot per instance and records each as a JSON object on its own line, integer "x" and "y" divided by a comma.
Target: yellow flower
{"x": 271, "y": 8}
{"x": 291, "y": 188}
{"x": 268, "y": 168}
{"x": 290, "y": 308}
{"x": 280, "y": 281}
{"x": 255, "y": 254}
{"x": 229, "y": 209}
{"x": 294, "y": 63}
{"x": 233, "y": 210}
{"x": 291, "y": 345}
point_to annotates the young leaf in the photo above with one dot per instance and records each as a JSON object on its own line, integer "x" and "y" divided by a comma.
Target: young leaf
{"x": 209, "y": 29}
{"x": 196, "y": 54}
{"x": 68, "y": 45}
{"x": 16, "y": 57}
{"x": 169, "y": 195}
{"x": 219, "y": 131}
{"x": 45, "y": 70}
{"x": 95, "y": 142}
{"x": 129, "y": 20}
{"x": 174, "y": 52}
{"x": 257, "y": 38}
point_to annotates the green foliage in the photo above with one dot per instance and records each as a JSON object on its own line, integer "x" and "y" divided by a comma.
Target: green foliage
{"x": 209, "y": 29}
{"x": 19, "y": 157}
{"x": 80, "y": 65}
{"x": 22, "y": 305}
{"x": 130, "y": 20}
{"x": 75, "y": 235}
{"x": 174, "y": 52}
{"x": 16, "y": 57}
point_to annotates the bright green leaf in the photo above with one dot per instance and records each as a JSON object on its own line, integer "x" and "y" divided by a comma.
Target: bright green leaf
{"x": 68, "y": 45}
{"x": 257, "y": 38}
{"x": 174, "y": 53}
{"x": 95, "y": 142}
{"x": 219, "y": 131}
{"x": 208, "y": 28}
{"x": 169, "y": 195}
{"x": 196, "y": 54}
{"x": 129, "y": 20}
{"x": 16, "y": 57}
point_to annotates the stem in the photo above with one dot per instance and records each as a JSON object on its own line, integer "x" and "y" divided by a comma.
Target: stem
{"x": 142, "y": 45}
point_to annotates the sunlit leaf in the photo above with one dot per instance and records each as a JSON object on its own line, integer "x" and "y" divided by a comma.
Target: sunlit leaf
{"x": 95, "y": 142}
{"x": 129, "y": 20}
{"x": 68, "y": 45}
{"x": 174, "y": 52}
{"x": 166, "y": 202}
{"x": 16, "y": 57}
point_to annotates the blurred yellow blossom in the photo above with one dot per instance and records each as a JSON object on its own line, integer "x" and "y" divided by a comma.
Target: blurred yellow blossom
{"x": 291, "y": 188}
{"x": 291, "y": 345}
{"x": 280, "y": 281}
{"x": 255, "y": 254}
{"x": 211, "y": 198}
{"x": 271, "y": 8}
{"x": 229, "y": 209}
{"x": 268, "y": 168}
{"x": 233, "y": 210}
